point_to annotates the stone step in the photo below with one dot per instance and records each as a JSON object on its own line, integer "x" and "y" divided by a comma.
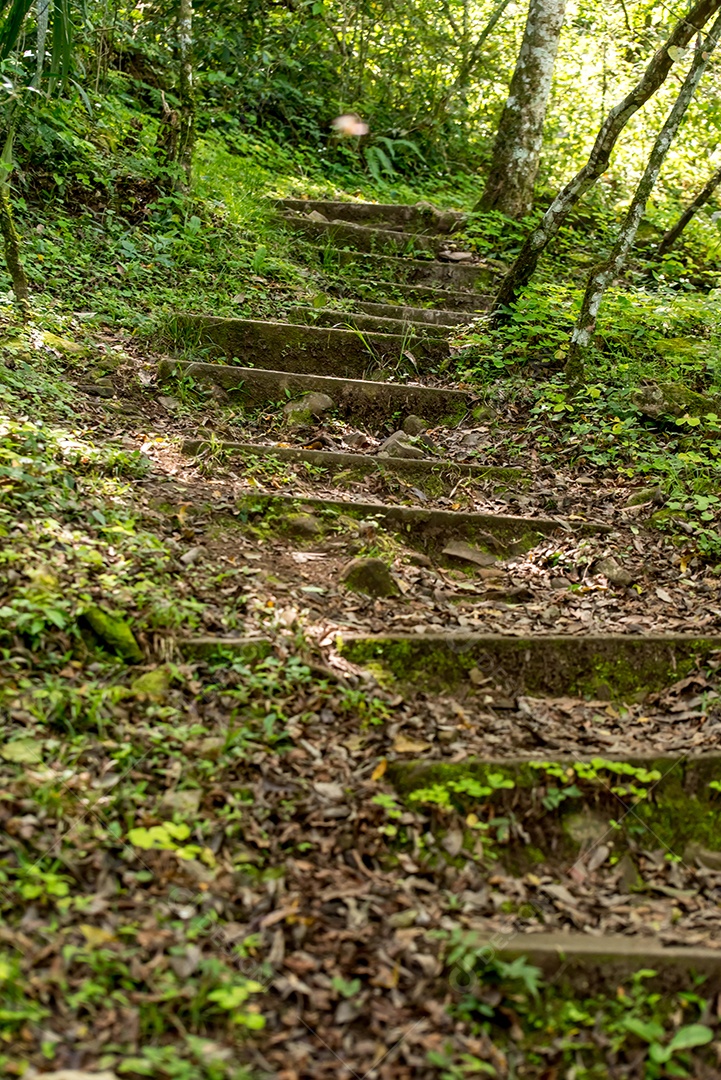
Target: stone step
{"x": 371, "y": 324}
{"x": 433, "y": 476}
{"x": 357, "y": 399}
{"x": 414, "y": 315}
{"x": 428, "y": 530}
{"x": 364, "y": 238}
{"x": 405, "y": 271}
{"x": 421, "y": 217}
{"x": 306, "y": 350}
{"x": 586, "y": 964}
{"x": 391, "y": 292}
{"x": 589, "y": 665}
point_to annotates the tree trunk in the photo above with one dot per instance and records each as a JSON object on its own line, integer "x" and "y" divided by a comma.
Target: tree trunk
{"x": 522, "y": 270}
{"x": 670, "y": 238}
{"x": 11, "y": 244}
{"x": 605, "y": 272}
{"x": 517, "y": 149}
{"x": 186, "y": 134}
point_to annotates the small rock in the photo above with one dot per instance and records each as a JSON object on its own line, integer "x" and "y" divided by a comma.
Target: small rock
{"x": 192, "y": 556}
{"x": 458, "y": 549}
{"x": 701, "y": 856}
{"x": 399, "y": 445}
{"x": 612, "y": 569}
{"x": 646, "y": 495}
{"x": 413, "y": 425}
{"x": 185, "y": 803}
{"x": 369, "y": 576}
{"x": 560, "y": 583}
{"x": 456, "y": 256}
{"x": 306, "y": 409}
{"x": 355, "y": 439}
{"x": 303, "y": 526}
{"x": 417, "y": 559}
{"x": 315, "y": 215}
{"x": 153, "y": 684}
{"x": 399, "y": 920}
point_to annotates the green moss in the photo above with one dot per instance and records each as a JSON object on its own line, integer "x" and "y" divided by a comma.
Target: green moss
{"x": 671, "y": 801}
{"x": 628, "y": 667}
{"x": 114, "y": 633}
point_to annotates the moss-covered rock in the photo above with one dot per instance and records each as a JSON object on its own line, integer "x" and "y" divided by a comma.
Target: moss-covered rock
{"x": 114, "y": 633}
{"x": 154, "y": 684}
{"x": 673, "y": 399}
{"x": 369, "y": 576}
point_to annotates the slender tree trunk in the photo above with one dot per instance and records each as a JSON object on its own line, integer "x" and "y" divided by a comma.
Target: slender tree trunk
{"x": 670, "y": 238}
{"x": 522, "y": 270}
{"x": 517, "y": 149}
{"x": 605, "y": 272}
{"x": 186, "y": 134}
{"x": 11, "y": 243}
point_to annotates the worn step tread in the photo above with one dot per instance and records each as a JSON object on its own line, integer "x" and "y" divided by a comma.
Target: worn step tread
{"x": 415, "y": 332}
{"x": 431, "y": 530}
{"x": 366, "y": 238}
{"x": 404, "y": 270}
{"x": 306, "y": 350}
{"x": 415, "y": 315}
{"x": 365, "y": 464}
{"x": 544, "y": 664}
{"x": 438, "y": 298}
{"x": 362, "y": 399}
{"x": 591, "y": 963}
{"x": 393, "y": 216}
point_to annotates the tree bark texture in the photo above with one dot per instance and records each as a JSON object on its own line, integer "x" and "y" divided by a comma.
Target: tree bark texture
{"x": 519, "y": 140}
{"x": 603, "y": 274}
{"x": 186, "y": 134}
{"x": 11, "y": 245}
{"x": 670, "y": 238}
{"x": 660, "y": 65}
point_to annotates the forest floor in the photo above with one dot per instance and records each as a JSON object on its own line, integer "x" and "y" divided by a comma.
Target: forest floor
{"x": 239, "y": 839}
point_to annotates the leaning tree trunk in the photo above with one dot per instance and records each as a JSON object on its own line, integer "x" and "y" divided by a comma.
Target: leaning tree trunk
{"x": 11, "y": 244}
{"x": 517, "y": 149}
{"x": 670, "y": 238}
{"x": 605, "y": 272}
{"x": 186, "y": 133}
{"x": 522, "y": 270}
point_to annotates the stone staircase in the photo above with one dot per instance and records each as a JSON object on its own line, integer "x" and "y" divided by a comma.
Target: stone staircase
{"x": 608, "y": 843}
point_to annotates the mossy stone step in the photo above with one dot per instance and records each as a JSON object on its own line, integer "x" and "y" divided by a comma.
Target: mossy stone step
{"x": 605, "y": 800}
{"x": 591, "y": 665}
{"x": 306, "y": 350}
{"x": 419, "y": 217}
{"x": 431, "y": 475}
{"x": 407, "y": 271}
{"x": 432, "y": 317}
{"x": 429, "y": 530}
{"x": 368, "y": 324}
{"x": 360, "y": 400}
{"x": 363, "y": 237}
{"x": 415, "y": 295}
{"x": 586, "y": 964}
